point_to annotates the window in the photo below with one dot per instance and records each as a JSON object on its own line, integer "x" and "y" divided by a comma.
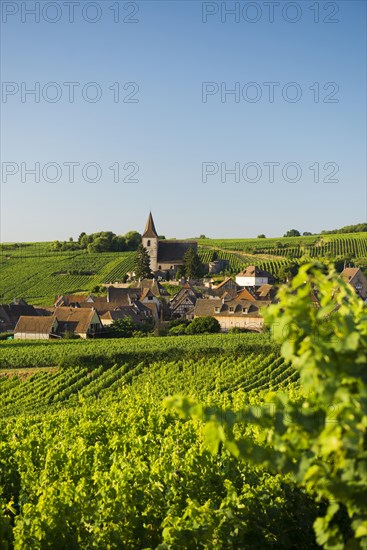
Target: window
{"x": 231, "y": 310}
{"x": 148, "y": 243}
{"x": 217, "y": 309}
{"x": 159, "y": 267}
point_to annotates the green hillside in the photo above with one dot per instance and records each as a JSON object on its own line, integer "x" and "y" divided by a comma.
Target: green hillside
{"x": 271, "y": 254}
{"x": 208, "y": 442}
{"x": 196, "y": 365}
{"x": 36, "y": 273}
{"x": 90, "y": 458}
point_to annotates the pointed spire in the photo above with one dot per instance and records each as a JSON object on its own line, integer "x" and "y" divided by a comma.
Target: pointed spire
{"x": 150, "y": 230}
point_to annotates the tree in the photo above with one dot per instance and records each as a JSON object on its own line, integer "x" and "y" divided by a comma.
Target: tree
{"x": 203, "y": 325}
{"x": 178, "y": 327}
{"x": 180, "y": 272}
{"x": 261, "y": 236}
{"x": 359, "y": 227}
{"x": 287, "y": 272}
{"x": 123, "y": 328}
{"x": 132, "y": 239}
{"x": 119, "y": 243}
{"x": 343, "y": 262}
{"x": 85, "y": 240}
{"x": 192, "y": 264}
{"x": 292, "y": 233}
{"x": 306, "y": 234}
{"x": 56, "y": 246}
{"x": 81, "y": 236}
{"x": 214, "y": 256}
{"x": 98, "y": 245}
{"x": 142, "y": 263}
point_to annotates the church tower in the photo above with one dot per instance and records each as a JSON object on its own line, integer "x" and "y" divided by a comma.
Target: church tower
{"x": 150, "y": 242}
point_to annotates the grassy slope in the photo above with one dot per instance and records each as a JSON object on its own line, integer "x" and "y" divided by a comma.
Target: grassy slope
{"x": 33, "y": 272}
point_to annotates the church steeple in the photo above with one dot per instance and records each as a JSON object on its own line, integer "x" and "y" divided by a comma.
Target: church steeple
{"x": 150, "y": 241}
{"x": 150, "y": 230}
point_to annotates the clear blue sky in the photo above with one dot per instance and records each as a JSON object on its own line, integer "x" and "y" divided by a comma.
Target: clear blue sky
{"x": 169, "y": 133}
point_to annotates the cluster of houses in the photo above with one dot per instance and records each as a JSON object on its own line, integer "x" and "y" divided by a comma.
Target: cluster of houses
{"x": 235, "y": 302}
{"x": 88, "y": 315}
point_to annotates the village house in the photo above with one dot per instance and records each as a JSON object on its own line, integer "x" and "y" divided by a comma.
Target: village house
{"x": 149, "y": 299}
{"x": 134, "y": 303}
{"x": 228, "y": 285}
{"x": 72, "y": 300}
{"x": 11, "y": 313}
{"x": 231, "y": 313}
{"x": 254, "y": 276}
{"x": 35, "y": 328}
{"x": 247, "y": 294}
{"x": 153, "y": 285}
{"x": 265, "y": 293}
{"x": 137, "y": 313}
{"x": 122, "y": 296}
{"x": 182, "y": 304}
{"x": 166, "y": 256}
{"x": 355, "y": 277}
{"x": 84, "y": 322}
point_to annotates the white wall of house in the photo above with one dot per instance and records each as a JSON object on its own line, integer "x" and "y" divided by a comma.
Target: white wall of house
{"x": 250, "y": 323}
{"x": 251, "y": 281}
{"x": 31, "y": 336}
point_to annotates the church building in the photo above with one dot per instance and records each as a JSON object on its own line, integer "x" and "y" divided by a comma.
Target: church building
{"x": 165, "y": 255}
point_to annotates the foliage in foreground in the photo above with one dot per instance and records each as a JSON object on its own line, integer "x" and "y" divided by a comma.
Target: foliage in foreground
{"x": 129, "y": 474}
{"x": 326, "y": 454}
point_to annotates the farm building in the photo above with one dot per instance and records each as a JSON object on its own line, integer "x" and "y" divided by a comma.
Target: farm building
{"x": 35, "y": 328}
{"x": 83, "y": 322}
{"x": 254, "y": 276}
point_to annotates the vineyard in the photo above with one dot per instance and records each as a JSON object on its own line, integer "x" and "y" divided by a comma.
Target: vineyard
{"x": 352, "y": 244}
{"x": 90, "y": 457}
{"x": 37, "y": 274}
{"x": 272, "y": 254}
{"x": 40, "y": 276}
{"x": 206, "y": 373}
{"x": 96, "y": 453}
